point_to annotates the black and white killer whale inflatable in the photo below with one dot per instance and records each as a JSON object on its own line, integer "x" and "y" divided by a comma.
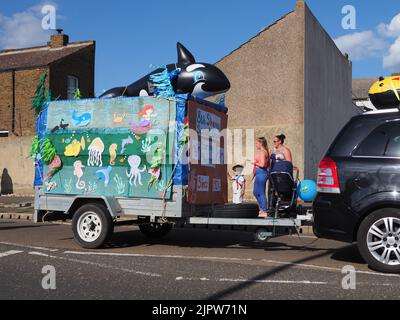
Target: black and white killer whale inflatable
{"x": 199, "y": 79}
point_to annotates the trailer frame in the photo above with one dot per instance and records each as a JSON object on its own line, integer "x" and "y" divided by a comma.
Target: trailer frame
{"x": 178, "y": 212}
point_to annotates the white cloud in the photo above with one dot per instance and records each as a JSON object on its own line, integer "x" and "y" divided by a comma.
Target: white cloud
{"x": 383, "y": 42}
{"x": 391, "y": 61}
{"x": 23, "y": 29}
{"x": 392, "y": 29}
{"x": 361, "y": 45}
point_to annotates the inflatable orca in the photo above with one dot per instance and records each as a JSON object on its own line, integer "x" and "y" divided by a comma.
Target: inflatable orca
{"x": 199, "y": 79}
{"x": 385, "y": 93}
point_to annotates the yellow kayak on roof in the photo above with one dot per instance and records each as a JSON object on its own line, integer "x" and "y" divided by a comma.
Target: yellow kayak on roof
{"x": 385, "y": 93}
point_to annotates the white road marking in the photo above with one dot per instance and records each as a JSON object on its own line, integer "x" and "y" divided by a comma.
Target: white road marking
{"x": 9, "y": 253}
{"x": 254, "y": 281}
{"x": 312, "y": 266}
{"x": 305, "y": 282}
{"x": 101, "y": 265}
{"x": 153, "y": 256}
{"x": 191, "y": 279}
{"x": 28, "y": 247}
{"x": 274, "y": 281}
{"x": 40, "y": 254}
{"x": 307, "y": 266}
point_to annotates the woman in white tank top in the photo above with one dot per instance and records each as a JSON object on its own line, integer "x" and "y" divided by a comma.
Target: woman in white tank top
{"x": 281, "y": 153}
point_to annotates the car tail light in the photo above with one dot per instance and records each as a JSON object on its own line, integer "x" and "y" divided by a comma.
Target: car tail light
{"x": 328, "y": 180}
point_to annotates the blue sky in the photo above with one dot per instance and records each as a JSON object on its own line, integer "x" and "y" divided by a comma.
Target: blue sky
{"x": 132, "y": 35}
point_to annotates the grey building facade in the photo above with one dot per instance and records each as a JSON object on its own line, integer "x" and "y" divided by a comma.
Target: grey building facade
{"x": 292, "y": 79}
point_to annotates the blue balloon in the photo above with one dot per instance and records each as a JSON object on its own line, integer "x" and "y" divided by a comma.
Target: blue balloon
{"x": 307, "y": 190}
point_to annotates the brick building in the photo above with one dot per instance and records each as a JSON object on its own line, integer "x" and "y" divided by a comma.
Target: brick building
{"x": 69, "y": 65}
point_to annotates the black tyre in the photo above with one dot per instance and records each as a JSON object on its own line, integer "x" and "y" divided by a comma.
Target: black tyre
{"x": 378, "y": 240}
{"x": 262, "y": 235}
{"x": 246, "y": 210}
{"x": 155, "y": 230}
{"x": 92, "y": 226}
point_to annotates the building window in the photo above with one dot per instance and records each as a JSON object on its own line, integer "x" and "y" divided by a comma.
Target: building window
{"x": 72, "y": 85}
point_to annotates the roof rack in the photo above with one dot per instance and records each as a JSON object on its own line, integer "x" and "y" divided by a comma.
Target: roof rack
{"x": 382, "y": 111}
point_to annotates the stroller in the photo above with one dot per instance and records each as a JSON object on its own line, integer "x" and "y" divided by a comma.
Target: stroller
{"x": 283, "y": 189}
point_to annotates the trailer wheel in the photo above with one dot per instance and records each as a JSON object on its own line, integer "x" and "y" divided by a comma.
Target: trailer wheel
{"x": 155, "y": 230}
{"x": 92, "y": 225}
{"x": 262, "y": 235}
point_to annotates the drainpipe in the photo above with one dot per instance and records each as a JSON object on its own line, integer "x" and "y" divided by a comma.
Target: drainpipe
{"x": 13, "y": 103}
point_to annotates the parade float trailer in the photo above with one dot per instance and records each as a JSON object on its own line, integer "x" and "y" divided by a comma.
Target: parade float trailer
{"x": 134, "y": 157}
{"x": 141, "y": 157}
{"x": 151, "y": 151}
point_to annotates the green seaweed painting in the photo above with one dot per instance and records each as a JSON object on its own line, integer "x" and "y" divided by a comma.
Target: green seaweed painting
{"x": 34, "y": 148}
{"x": 47, "y": 150}
{"x": 68, "y": 186}
{"x": 41, "y": 95}
{"x": 120, "y": 185}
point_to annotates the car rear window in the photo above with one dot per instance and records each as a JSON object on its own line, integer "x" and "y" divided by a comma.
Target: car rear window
{"x": 351, "y": 136}
{"x": 384, "y": 141}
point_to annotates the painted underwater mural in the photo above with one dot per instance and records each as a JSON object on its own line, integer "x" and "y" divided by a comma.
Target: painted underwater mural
{"x": 106, "y": 148}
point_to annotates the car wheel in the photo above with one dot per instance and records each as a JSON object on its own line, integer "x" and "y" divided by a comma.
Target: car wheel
{"x": 155, "y": 230}
{"x": 378, "y": 240}
{"x": 92, "y": 226}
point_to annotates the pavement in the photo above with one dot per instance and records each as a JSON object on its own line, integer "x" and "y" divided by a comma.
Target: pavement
{"x": 188, "y": 264}
{"x": 16, "y": 207}
{"x": 16, "y": 200}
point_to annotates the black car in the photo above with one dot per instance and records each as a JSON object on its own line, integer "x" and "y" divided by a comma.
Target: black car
{"x": 359, "y": 189}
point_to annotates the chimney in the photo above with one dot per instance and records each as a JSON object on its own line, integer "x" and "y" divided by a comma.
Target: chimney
{"x": 58, "y": 40}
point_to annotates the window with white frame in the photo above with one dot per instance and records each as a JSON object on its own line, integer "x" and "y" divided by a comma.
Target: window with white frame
{"x": 72, "y": 85}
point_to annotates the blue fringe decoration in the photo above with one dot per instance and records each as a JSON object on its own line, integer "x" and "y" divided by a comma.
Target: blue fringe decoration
{"x": 221, "y": 99}
{"x": 174, "y": 74}
{"x": 162, "y": 83}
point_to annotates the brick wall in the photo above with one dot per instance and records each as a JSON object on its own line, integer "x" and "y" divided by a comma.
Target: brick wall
{"x": 80, "y": 65}
{"x": 5, "y": 100}
{"x": 25, "y": 85}
{"x": 26, "y": 82}
{"x": 18, "y": 168}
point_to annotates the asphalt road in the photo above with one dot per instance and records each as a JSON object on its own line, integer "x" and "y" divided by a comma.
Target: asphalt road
{"x": 187, "y": 264}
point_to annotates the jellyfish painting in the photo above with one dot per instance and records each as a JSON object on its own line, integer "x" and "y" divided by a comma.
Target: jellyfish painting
{"x": 96, "y": 150}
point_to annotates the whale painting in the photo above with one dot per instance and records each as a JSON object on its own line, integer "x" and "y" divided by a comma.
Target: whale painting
{"x": 104, "y": 175}
{"x": 82, "y": 120}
